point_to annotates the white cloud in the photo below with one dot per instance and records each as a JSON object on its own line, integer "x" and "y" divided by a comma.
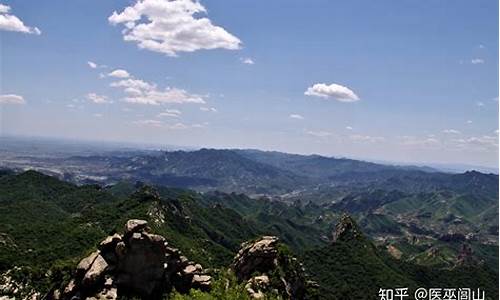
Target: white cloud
{"x": 247, "y": 60}
{"x": 451, "y": 131}
{"x": 182, "y": 126}
{"x": 98, "y": 99}
{"x": 160, "y": 124}
{"x": 119, "y": 73}
{"x": 94, "y": 65}
{"x": 348, "y": 128}
{"x": 429, "y": 141}
{"x": 319, "y": 133}
{"x": 296, "y": 116}
{"x": 74, "y": 107}
{"x": 366, "y": 138}
{"x": 336, "y": 91}
{"x": 208, "y": 109}
{"x": 476, "y": 61}
{"x": 10, "y": 22}
{"x": 152, "y": 123}
{"x": 142, "y": 92}
{"x": 482, "y": 142}
{"x": 168, "y": 95}
{"x": 174, "y": 113}
{"x": 98, "y": 115}
{"x": 136, "y": 85}
{"x": 480, "y": 103}
{"x": 170, "y": 27}
{"x": 469, "y": 122}
{"x": 11, "y": 98}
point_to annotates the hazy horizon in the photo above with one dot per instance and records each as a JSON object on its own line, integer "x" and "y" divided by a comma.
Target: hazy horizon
{"x": 124, "y": 145}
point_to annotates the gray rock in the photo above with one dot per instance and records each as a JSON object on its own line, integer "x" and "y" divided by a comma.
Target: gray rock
{"x": 257, "y": 256}
{"x": 96, "y": 272}
{"x": 135, "y": 225}
{"x": 85, "y": 264}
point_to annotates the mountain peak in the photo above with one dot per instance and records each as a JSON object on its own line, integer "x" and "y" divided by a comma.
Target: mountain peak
{"x": 346, "y": 229}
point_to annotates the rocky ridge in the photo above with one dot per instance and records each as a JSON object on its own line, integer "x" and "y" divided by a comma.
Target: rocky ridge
{"x": 137, "y": 263}
{"x": 266, "y": 267}
{"x": 346, "y": 229}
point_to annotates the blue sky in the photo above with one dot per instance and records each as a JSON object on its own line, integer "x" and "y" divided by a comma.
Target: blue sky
{"x": 404, "y": 81}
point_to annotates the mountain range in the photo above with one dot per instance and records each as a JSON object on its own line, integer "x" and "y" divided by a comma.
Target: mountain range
{"x": 48, "y": 225}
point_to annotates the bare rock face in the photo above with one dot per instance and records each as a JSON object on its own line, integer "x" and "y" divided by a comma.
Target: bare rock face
{"x": 266, "y": 267}
{"x": 137, "y": 263}
{"x": 346, "y": 229}
{"x": 257, "y": 256}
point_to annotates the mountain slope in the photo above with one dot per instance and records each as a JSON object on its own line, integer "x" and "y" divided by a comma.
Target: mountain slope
{"x": 339, "y": 267}
{"x": 225, "y": 170}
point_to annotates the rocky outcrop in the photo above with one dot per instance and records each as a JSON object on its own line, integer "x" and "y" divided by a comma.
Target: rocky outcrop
{"x": 346, "y": 229}
{"x": 466, "y": 257}
{"x": 266, "y": 266}
{"x": 258, "y": 256}
{"x": 13, "y": 289}
{"x": 137, "y": 263}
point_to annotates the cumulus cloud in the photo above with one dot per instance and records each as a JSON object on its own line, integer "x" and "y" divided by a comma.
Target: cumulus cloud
{"x": 142, "y": 92}
{"x": 296, "y": 116}
{"x": 119, "y": 73}
{"x": 247, "y": 60}
{"x": 170, "y": 27}
{"x": 476, "y": 61}
{"x": 348, "y": 128}
{"x": 9, "y": 22}
{"x": 11, "y": 99}
{"x": 335, "y": 91}
{"x": 174, "y": 113}
{"x": 451, "y": 131}
{"x": 98, "y": 99}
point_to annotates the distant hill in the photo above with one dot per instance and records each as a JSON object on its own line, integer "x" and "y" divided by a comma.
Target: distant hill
{"x": 204, "y": 169}
{"x": 320, "y": 166}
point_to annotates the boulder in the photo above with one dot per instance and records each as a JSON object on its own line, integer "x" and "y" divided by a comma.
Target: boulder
{"x": 96, "y": 272}
{"x": 85, "y": 264}
{"x": 137, "y": 263}
{"x": 141, "y": 269}
{"x": 201, "y": 282}
{"x": 256, "y": 286}
{"x": 135, "y": 226}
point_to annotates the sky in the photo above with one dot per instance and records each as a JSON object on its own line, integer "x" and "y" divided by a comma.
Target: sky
{"x": 400, "y": 80}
